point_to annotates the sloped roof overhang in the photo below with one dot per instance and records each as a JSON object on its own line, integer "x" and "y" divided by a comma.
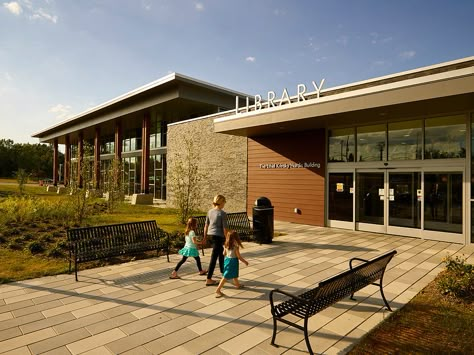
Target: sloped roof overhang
{"x": 424, "y": 91}
{"x": 165, "y": 90}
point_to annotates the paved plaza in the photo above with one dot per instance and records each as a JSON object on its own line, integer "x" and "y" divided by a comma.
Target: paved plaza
{"x": 134, "y": 308}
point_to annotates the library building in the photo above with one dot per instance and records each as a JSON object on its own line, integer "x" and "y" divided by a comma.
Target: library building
{"x": 391, "y": 155}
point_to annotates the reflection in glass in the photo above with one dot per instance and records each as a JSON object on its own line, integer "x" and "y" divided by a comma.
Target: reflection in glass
{"x": 340, "y": 196}
{"x": 472, "y": 222}
{"x": 445, "y": 137}
{"x": 371, "y": 145}
{"x": 404, "y": 207}
{"x": 156, "y": 178}
{"x": 369, "y": 205}
{"x": 472, "y": 157}
{"x": 443, "y": 202}
{"x": 341, "y": 145}
{"x": 404, "y": 140}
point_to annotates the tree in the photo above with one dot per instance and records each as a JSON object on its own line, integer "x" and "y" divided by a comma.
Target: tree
{"x": 78, "y": 192}
{"x": 184, "y": 178}
{"x": 35, "y": 159}
{"x": 114, "y": 188}
{"x": 22, "y": 179}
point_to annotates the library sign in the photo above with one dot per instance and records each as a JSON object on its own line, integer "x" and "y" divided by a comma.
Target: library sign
{"x": 303, "y": 165}
{"x": 272, "y": 100}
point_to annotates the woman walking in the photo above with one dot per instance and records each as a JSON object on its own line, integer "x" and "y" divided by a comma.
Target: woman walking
{"x": 216, "y": 228}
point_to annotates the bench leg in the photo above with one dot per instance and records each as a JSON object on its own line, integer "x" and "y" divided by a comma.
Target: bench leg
{"x": 306, "y": 336}
{"x": 383, "y": 297}
{"x": 75, "y": 269}
{"x": 274, "y": 332}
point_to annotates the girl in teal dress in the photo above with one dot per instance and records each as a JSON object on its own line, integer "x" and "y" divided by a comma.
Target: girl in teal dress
{"x": 231, "y": 261}
{"x": 189, "y": 249}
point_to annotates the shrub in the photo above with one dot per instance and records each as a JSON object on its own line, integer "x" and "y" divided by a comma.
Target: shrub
{"x": 11, "y": 232}
{"x": 47, "y": 238}
{"x": 27, "y": 236}
{"x": 62, "y": 244}
{"x": 458, "y": 278}
{"x": 55, "y": 252}
{"x": 14, "y": 245}
{"x": 35, "y": 247}
{"x": 58, "y": 234}
{"x": 176, "y": 240}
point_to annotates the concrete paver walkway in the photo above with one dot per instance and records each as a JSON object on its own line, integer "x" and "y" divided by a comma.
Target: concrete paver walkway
{"x": 134, "y": 308}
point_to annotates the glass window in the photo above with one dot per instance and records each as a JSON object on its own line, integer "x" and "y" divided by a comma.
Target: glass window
{"x": 405, "y": 140}
{"x": 371, "y": 145}
{"x": 445, "y": 137}
{"x": 340, "y": 205}
{"x": 443, "y": 202}
{"x": 107, "y": 145}
{"x": 472, "y": 158}
{"x": 155, "y": 133}
{"x": 341, "y": 145}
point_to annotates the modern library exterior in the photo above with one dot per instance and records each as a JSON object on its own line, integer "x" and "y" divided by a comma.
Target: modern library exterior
{"x": 390, "y": 155}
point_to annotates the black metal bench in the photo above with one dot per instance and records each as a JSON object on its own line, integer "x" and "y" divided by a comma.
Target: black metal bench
{"x": 238, "y": 221}
{"x": 328, "y": 292}
{"x": 101, "y": 242}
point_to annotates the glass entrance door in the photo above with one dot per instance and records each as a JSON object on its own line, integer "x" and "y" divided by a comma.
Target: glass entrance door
{"x": 404, "y": 200}
{"x": 424, "y": 204}
{"x": 370, "y": 201}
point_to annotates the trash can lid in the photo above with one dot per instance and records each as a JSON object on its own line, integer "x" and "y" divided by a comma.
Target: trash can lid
{"x": 263, "y": 202}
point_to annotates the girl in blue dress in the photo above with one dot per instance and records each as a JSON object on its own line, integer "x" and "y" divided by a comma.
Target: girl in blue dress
{"x": 231, "y": 261}
{"x": 190, "y": 249}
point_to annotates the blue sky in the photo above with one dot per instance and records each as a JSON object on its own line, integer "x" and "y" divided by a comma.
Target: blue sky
{"x": 61, "y": 57}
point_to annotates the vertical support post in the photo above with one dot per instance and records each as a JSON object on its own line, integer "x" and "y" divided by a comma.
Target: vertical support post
{"x": 67, "y": 160}
{"x": 97, "y": 158}
{"x": 118, "y": 140}
{"x": 55, "y": 162}
{"x": 80, "y": 159}
{"x": 144, "y": 183}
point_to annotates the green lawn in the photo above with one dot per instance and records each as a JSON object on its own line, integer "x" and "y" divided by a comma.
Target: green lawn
{"x": 19, "y": 238}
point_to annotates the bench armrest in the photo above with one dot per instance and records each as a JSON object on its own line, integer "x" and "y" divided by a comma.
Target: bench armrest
{"x": 356, "y": 259}
{"x": 277, "y": 290}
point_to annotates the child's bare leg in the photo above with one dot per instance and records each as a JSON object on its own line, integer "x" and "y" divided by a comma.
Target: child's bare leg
{"x": 235, "y": 281}
{"x": 219, "y": 287}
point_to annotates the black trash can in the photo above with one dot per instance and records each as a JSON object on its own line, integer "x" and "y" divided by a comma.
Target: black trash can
{"x": 263, "y": 220}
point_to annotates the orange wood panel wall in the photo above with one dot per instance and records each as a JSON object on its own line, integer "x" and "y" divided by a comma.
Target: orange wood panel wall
{"x": 289, "y": 187}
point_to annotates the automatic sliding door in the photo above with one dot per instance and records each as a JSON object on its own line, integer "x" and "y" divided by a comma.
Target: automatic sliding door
{"x": 404, "y": 204}
{"x": 370, "y": 201}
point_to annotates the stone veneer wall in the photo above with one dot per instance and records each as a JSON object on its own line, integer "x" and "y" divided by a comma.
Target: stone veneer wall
{"x": 223, "y": 157}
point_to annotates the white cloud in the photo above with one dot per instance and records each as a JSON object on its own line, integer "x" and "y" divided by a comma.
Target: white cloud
{"x": 30, "y": 11}
{"x": 13, "y": 7}
{"x": 60, "y": 110}
{"x": 8, "y": 77}
{"x": 250, "y": 59}
{"x": 199, "y": 6}
{"x": 43, "y": 15}
{"x": 407, "y": 54}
